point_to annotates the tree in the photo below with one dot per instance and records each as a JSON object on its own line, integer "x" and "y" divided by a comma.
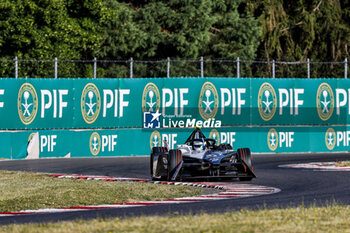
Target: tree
{"x": 234, "y": 33}
{"x": 297, "y": 30}
{"x": 49, "y": 28}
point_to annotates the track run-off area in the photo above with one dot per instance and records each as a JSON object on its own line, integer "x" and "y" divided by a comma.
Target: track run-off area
{"x": 287, "y": 186}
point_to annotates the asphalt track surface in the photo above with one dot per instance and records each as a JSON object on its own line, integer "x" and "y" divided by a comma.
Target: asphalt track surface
{"x": 298, "y": 186}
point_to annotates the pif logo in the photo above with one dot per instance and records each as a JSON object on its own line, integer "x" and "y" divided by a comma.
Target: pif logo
{"x": 267, "y": 101}
{"x": 95, "y": 143}
{"x": 330, "y": 139}
{"x": 214, "y": 134}
{"x": 27, "y": 103}
{"x": 272, "y": 139}
{"x": 208, "y": 101}
{"x": 324, "y": 101}
{"x": 90, "y": 103}
{"x": 283, "y": 140}
{"x": 155, "y": 139}
{"x": 150, "y": 98}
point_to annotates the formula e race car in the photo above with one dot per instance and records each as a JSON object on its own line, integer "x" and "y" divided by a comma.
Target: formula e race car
{"x": 200, "y": 158}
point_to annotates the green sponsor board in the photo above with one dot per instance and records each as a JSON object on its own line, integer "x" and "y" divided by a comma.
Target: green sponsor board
{"x": 120, "y": 103}
{"x": 104, "y": 117}
{"x": 300, "y": 102}
{"x": 128, "y": 142}
{"x": 77, "y": 103}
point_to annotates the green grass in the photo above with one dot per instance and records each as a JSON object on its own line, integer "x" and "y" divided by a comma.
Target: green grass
{"x": 332, "y": 218}
{"x": 28, "y": 190}
{"x": 342, "y": 164}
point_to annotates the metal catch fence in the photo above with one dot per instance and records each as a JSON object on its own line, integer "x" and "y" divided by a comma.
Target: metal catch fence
{"x": 237, "y": 68}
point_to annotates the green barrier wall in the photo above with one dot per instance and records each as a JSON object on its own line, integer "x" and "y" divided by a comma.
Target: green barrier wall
{"x": 104, "y": 117}
{"x": 126, "y": 142}
{"x": 119, "y": 103}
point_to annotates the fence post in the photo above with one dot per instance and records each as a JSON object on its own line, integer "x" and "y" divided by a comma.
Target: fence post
{"x": 55, "y": 67}
{"x": 131, "y": 67}
{"x": 16, "y": 67}
{"x": 95, "y": 66}
{"x": 346, "y": 68}
{"x": 168, "y": 67}
{"x": 237, "y": 61}
{"x": 202, "y": 67}
{"x": 273, "y": 69}
{"x": 308, "y": 68}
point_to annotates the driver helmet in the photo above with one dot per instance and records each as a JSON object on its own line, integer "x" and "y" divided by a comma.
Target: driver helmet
{"x": 197, "y": 145}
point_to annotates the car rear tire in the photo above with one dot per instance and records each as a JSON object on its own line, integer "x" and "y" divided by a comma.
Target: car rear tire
{"x": 244, "y": 155}
{"x": 159, "y": 150}
{"x": 174, "y": 159}
{"x": 156, "y": 151}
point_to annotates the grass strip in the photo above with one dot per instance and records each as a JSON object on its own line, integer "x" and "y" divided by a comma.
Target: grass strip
{"x": 342, "y": 164}
{"x": 28, "y": 190}
{"x": 332, "y": 218}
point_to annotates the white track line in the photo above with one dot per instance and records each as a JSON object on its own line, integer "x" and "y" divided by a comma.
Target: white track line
{"x": 324, "y": 166}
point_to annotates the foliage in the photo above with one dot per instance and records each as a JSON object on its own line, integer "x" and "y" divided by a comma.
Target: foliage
{"x": 234, "y": 33}
{"x": 297, "y": 30}
{"x": 50, "y": 28}
{"x": 282, "y": 30}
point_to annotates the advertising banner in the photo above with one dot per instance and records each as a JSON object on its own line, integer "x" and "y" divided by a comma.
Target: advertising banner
{"x": 121, "y": 103}
{"x": 136, "y": 142}
{"x": 113, "y": 117}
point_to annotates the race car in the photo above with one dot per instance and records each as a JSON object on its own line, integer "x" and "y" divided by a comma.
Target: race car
{"x": 200, "y": 158}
